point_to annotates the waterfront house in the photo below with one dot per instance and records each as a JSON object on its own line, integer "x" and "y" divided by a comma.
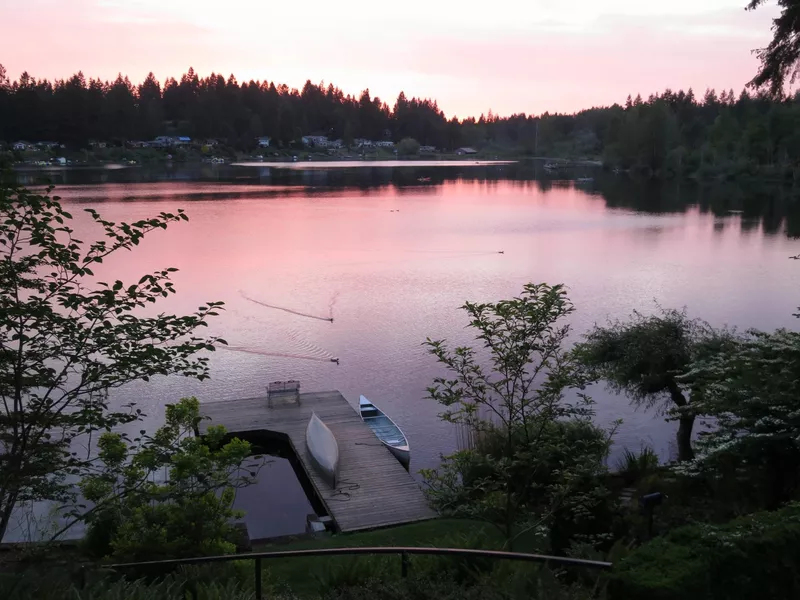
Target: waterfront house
{"x": 466, "y": 150}
{"x": 22, "y": 146}
{"x": 315, "y": 141}
{"x": 427, "y": 149}
{"x": 264, "y": 141}
{"x": 164, "y": 141}
{"x": 385, "y": 144}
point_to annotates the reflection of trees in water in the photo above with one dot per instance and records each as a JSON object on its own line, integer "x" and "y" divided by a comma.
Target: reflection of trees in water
{"x": 365, "y": 178}
{"x": 773, "y": 207}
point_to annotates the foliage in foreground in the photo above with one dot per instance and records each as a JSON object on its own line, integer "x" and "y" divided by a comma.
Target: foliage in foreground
{"x": 757, "y": 556}
{"x": 66, "y": 340}
{"x": 169, "y": 495}
{"x": 537, "y": 454}
{"x": 503, "y": 584}
{"x": 324, "y": 578}
{"x": 357, "y": 578}
{"x": 750, "y": 388}
{"x": 208, "y": 583}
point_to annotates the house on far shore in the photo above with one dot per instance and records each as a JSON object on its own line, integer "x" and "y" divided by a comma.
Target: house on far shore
{"x": 315, "y": 141}
{"x": 386, "y": 144}
{"x": 47, "y": 145}
{"x": 427, "y": 149}
{"x": 22, "y": 146}
{"x": 164, "y": 141}
{"x": 264, "y": 141}
{"x": 466, "y": 150}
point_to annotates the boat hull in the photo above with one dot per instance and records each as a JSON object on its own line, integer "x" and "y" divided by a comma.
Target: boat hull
{"x": 404, "y": 456}
{"x": 323, "y": 449}
{"x": 386, "y": 430}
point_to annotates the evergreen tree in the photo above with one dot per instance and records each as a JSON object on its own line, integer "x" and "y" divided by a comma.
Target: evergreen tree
{"x": 670, "y": 133}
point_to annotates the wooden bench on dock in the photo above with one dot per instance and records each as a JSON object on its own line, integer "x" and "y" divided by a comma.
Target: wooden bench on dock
{"x": 285, "y": 392}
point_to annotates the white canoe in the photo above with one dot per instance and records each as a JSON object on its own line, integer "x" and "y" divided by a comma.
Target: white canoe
{"x": 323, "y": 448}
{"x": 386, "y": 430}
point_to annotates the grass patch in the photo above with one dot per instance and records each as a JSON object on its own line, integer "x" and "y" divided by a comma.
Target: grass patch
{"x": 314, "y": 573}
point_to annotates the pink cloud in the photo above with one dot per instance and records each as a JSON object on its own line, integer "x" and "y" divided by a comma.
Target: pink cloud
{"x": 84, "y": 37}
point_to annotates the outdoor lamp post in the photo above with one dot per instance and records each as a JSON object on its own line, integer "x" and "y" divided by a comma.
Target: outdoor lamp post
{"x": 648, "y": 502}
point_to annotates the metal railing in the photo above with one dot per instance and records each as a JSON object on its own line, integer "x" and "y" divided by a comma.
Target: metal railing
{"x": 404, "y": 553}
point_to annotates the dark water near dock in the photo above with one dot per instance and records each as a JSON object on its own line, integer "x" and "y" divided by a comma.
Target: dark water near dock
{"x": 391, "y": 258}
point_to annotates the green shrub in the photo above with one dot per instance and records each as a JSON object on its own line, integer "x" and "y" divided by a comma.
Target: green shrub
{"x": 200, "y": 583}
{"x": 557, "y": 481}
{"x": 634, "y": 466}
{"x": 460, "y": 569}
{"x": 198, "y": 526}
{"x": 519, "y": 581}
{"x": 139, "y": 517}
{"x": 338, "y": 575}
{"x": 757, "y": 556}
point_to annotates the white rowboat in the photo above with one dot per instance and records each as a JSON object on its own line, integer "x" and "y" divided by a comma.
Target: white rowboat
{"x": 324, "y": 449}
{"x": 386, "y": 430}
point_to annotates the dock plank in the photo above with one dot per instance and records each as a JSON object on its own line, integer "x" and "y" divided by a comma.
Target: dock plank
{"x": 374, "y": 490}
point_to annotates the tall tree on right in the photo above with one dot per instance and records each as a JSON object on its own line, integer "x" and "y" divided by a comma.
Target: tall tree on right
{"x": 648, "y": 358}
{"x": 751, "y": 389}
{"x": 779, "y": 60}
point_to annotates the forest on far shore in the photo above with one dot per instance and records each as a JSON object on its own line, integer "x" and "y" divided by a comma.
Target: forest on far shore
{"x": 666, "y": 134}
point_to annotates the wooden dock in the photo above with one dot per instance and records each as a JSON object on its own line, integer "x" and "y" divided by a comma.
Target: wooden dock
{"x": 374, "y": 490}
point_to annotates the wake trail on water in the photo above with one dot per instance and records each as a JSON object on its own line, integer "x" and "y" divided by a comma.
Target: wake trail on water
{"x": 300, "y": 347}
{"x": 289, "y": 310}
{"x": 277, "y": 354}
{"x": 307, "y": 346}
{"x": 332, "y": 303}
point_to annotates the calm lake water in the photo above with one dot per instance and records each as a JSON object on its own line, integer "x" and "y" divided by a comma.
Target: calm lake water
{"x": 391, "y": 259}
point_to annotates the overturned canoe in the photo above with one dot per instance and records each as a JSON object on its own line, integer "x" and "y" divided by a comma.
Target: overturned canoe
{"x": 323, "y": 448}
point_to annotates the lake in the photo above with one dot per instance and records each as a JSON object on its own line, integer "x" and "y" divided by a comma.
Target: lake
{"x": 390, "y": 256}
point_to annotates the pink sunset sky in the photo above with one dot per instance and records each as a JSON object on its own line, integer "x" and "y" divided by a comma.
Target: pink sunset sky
{"x": 506, "y": 55}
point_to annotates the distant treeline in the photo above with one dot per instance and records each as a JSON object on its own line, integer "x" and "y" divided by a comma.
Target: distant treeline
{"x": 670, "y": 133}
